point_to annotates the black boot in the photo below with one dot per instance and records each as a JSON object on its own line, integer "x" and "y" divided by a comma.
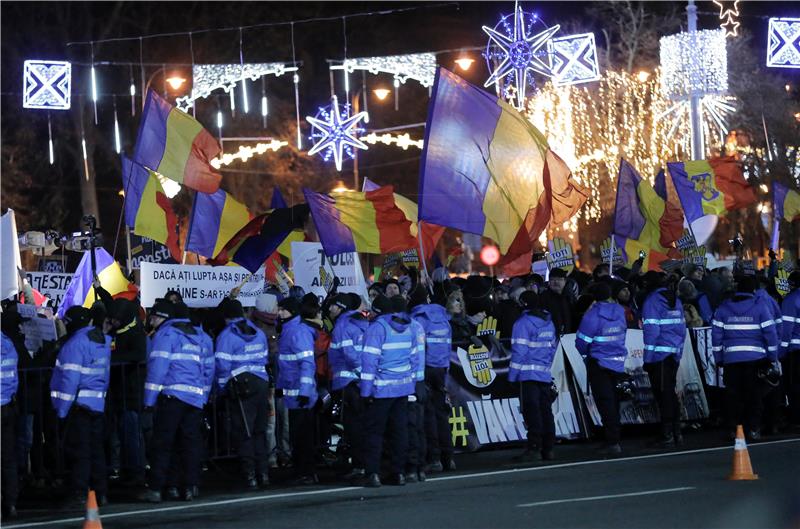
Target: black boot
{"x": 667, "y": 436}
{"x": 250, "y": 480}
{"x": 263, "y": 480}
{"x": 172, "y": 494}
{"x": 676, "y": 433}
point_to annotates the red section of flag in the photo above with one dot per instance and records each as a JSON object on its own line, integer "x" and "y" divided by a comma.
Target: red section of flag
{"x": 394, "y": 229}
{"x": 429, "y": 235}
{"x": 730, "y": 181}
{"x": 199, "y": 174}
{"x": 250, "y": 229}
{"x": 172, "y": 226}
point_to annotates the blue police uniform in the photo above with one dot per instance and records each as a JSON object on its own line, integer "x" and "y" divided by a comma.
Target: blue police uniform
{"x": 178, "y": 374}
{"x": 344, "y": 357}
{"x": 533, "y": 347}
{"x": 78, "y": 391}
{"x": 296, "y": 371}
{"x": 438, "y": 347}
{"x": 664, "y": 333}
{"x": 601, "y": 340}
{"x": 241, "y": 359}
{"x": 745, "y": 338}
{"x": 388, "y": 374}
{"x": 790, "y": 351}
{"x": 417, "y": 445}
{"x": 9, "y": 382}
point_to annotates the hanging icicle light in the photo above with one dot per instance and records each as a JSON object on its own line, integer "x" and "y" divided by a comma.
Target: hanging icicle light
{"x": 364, "y": 94}
{"x": 296, "y": 80}
{"x": 133, "y": 94}
{"x": 50, "y": 140}
{"x": 397, "y": 94}
{"x": 117, "y": 141}
{"x": 233, "y": 103}
{"x": 94, "y": 93}
{"x": 245, "y": 102}
{"x": 264, "y": 107}
{"x": 219, "y": 121}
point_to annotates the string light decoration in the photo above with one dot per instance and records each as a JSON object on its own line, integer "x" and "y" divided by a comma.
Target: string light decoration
{"x": 699, "y": 65}
{"x": 334, "y": 132}
{"x": 209, "y": 77}
{"x": 514, "y": 53}
{"x": 728, "y": 17}
{"x": 592, "y": 126}
{"x": 403, "y": 141}
{"x": 418, "y": 66}
{"x": 783, "y": 49}
{"x": 46, "y": 85}
{"x": 246, "y": 152}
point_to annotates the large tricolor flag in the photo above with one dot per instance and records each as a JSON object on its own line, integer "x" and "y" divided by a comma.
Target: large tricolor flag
{"x": 81, "y": 291}
{"x": 428, "y": 234}
{"x": 638, "y": 219}
{"x": 147, "y": 209}
{"x": 710, "y": 187}
{"x": 215, "y": 219}
{"x": 354, "y": 221}
{"x": 785, "y": 206}
{"x": 259, "y": 239}
{"x": 482, "y": 164}
{"x": 174, "y": 144}
{"x": 297, "y": 235}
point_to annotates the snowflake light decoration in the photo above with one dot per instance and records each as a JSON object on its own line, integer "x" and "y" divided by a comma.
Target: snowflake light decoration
{"x": 519, "y": 51}
{"x": 783, "y": 50}
{"x": 574, "y": 59}
{"x": 46, "y": 85}
{"x": 209, "y": 77}
{"x": 336, "y": 132}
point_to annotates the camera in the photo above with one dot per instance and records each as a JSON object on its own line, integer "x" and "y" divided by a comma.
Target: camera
{"x": 736, "y": 243}
{"x": 81, "y": 241}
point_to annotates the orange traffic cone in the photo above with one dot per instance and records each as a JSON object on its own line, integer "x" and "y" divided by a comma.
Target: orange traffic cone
{"x": 742, "y": 469}
{"x": 92, "y": 520}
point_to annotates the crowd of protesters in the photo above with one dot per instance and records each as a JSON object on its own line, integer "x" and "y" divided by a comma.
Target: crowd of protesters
{"x": 127, "y": 394}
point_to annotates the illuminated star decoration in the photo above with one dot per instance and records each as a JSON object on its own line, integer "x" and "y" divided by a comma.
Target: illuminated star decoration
{"x": 521, "y": 54}
{"x": 729, "y": 17}
{"x": 337, "y": 132}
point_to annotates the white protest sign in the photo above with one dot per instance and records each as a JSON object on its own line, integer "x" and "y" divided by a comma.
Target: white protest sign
{"x": 10, "y": 260}
{"x": 52, "y": 285}
{"x": 38, "y": 328}
{"x": 200, "y": 286}
{"x": 307, "y": 261}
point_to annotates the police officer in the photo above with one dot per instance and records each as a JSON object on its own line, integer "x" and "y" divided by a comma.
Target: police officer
{"x": 241, "y": 360}
{"x": 78, "y": 392}
{"x": 664, "y": 329}
{"x": 417, "y": 445}
{"x": 533, "y": 347}
{"x": 344, "y": 356}
{"x": 296, "y": 369}
{"x": 601, "y": 341}
{"x": 176, "y": 382}
{"x": 745, "y": 339}
{"x": 790, "y": 347}
{"x": 435, "y": 322}
{"x": 9, "y": 382}
{"x": 388, "y": 372}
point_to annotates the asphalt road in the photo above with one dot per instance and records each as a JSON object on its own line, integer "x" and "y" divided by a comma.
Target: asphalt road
{"x": 652, "y": 490}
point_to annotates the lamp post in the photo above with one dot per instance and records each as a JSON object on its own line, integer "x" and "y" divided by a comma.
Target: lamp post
{"x": 174, "y": 82}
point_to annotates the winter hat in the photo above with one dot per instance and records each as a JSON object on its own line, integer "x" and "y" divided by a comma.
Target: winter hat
{"x": 418, "y": 296}
{"x": 266, "y": 302}
{"x": 746, "y": 284}
{"x": 558, "y": 272}
{"x": 232, "y": 309}
{"x": 397, "y": 304}
{"x": 342, "y": 301}
{"x": 600, "y": 291}
{"x": 353, "y": 301}
{"x": 381, "y": 304}
{"x": 77, "y": 317}
{"x": 163, "y": 309}
{"x": 309, "y": 306}
{"x": 290, "y": 304}
{"x": 530, "y": 300}
{"x": 181, "y": 310}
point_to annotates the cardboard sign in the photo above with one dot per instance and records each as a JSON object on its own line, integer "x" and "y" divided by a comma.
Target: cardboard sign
{"x": 307, "y": 261}
{"x": 561, "y": 255}
{"x": 686, "y": 241}
{"x": 39, "y": 328}
{"x": 782, "y": 282}
{"x": 200, "y": 286}
{"x": 695, "y": 256}
{"x": 52, "y": 285}
{"x": 605, "y": 253}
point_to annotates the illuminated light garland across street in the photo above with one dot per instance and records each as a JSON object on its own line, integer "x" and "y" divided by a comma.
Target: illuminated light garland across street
{"x": 403, "y": 141}
{"x": 209, "y": 77}
{"x": 246, "y": 152}
{"x": 418, "y": 66}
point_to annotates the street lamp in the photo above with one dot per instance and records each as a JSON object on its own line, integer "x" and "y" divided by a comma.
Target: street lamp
{"x": 381, "y": 93}
{"x": 464, "y": 62}
{"x": 174, "y": 81}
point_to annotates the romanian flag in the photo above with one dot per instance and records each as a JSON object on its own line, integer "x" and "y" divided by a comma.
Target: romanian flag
{"x": 710, "y": 187}
{"x": 638, "y": 219}
{"x": 786, "y": 202}
{"x": 260, "y": 237}
{"x": 81, "y": 291}
{"x": 353, "y": 221}
{"x": 174, "y": 144}
{"x": 671, "y": 222}
{"x": 482, "y": 164}
{"x": 427, "y": 234}
{"x": 147, "y": 209}
{"x": 562, "y": 198}
{"x": 298, "y": 235}
{"x": 216, "y": 218}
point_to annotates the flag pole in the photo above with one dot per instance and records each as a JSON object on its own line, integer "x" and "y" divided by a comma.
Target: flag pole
{"x": 422, "y": 256}
{"x": 611, "y": 256}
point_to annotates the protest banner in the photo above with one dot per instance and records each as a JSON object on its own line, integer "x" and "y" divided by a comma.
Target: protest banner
{"x": 40, "y": 327}
{"x": 200, "y": 286}
{"x": 52, "y": 285}
{"x": 312, "y": 267}
{"x": 560, "y": 255}
{"x": 147, "y": 250}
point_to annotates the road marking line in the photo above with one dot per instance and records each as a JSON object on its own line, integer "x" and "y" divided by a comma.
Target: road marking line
{"x": 606, "y": 497}
{"x": 248, "y": 499}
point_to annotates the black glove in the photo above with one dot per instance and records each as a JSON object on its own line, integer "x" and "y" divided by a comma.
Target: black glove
{"x": 278, "y": 393}
{"x": 302, "y": 400}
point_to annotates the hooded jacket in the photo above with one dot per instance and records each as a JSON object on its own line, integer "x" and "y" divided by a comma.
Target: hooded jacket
{"x": 774, "y": 308}
{"x": 344, "y": 353}
{"x": 664, "y": 327}
{"x": 296, "y": 365}
{"x": 533, "y": 346}
{"x": 601, "y": 335}
{"x": 9, "y": 379}
{"x": 82, "y": 372}
{"x": 241, "y": 348}
{"x": 438, "y": 335}
{"x": 128, "y": 357}
{"x": 389, "y": 360}
{"x": 177, "y": 364}
{"x": 790, "y": 326}
{"x": 744, "y": 330}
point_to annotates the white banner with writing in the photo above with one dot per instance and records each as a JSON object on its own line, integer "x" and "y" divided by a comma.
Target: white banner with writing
{"x": 312, "y": 270}
{"x": 200, "y": 286}
{"x": 51, "y": 284}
